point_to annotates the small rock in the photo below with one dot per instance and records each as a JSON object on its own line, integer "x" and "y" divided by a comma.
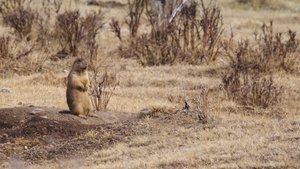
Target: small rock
{"x": 32, "y": 113}
{"x": 35, "y": 111}
{"x": 25, "y": 147}
{"x": 44, "y": 117}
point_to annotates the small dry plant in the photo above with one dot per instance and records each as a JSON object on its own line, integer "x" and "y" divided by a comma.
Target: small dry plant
{"x": 200, "y": 100}
{"x": 72, "y": 30}
{"x": 102, "y": 88}
{"x": 16, "y": 15}
{"x": 182, "y": 33}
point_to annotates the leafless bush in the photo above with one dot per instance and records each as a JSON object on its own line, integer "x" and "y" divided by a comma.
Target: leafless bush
{"x": 275, "y": 51}
{"x": 136, "y": 8}
{"x": 69, "y": 31}
{"x": 183, "y": 37}
{"x": 92, "y": 24}
{"x": 252, "y": 90}
{"x": 249, "y": 82}
{"x": 43, "y": 16}
{"x": 72, "y": 29}
{"x": 268, "y": 53}
{"x": 151, "y": 52}
{"x": 102, "y": 88}
{"x": 16, "y": 15}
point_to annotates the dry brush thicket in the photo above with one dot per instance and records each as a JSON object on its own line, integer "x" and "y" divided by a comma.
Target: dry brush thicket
{"x": 75, "y": 32}
{"x": 188, "y": 33}
{"x": 250, "y": 80}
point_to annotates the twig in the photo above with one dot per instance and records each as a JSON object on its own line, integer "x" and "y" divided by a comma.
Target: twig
{"x": 176, "y": 10}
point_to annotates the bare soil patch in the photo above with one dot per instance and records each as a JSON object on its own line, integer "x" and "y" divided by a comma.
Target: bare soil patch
{"x": 40, "y": 133}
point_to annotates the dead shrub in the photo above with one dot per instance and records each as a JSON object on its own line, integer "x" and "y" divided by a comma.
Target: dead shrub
{"x": 185, "y": 36}
{"x": 17, "y": 16}
{"x": 43, "y": 16}
{"x": 69, "y": 31}
{"x": 252, "y": 90}
{"x": 250, "y": 82}
{"x": 277, "y": 53}
{"x": 135, "y": 11}
{"x": 268, "y": 53}
{"x": 72, "y": 30}
{"x": 102, "y": 88}
{"x": 92, "y": 25}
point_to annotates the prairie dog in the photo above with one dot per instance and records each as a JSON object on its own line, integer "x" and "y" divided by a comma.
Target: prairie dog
{"x": 77, "y": 96}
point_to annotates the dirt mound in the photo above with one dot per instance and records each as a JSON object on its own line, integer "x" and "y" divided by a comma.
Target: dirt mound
{"x": 35, "y": 133}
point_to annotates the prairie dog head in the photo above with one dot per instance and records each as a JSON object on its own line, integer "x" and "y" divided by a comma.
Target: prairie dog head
{"x": 79, "y": 65}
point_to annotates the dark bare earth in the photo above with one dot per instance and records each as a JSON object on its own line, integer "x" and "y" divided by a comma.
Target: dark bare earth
{"x": 40, "y": 133}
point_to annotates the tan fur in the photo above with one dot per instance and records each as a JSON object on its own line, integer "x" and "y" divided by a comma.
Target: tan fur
{"x": 77, "y": 97}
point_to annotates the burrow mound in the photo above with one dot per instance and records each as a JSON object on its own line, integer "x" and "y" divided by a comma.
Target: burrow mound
{"x": 39, "y": 133}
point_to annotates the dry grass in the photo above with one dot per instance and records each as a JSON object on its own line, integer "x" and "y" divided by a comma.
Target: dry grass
{"x": 265, "y": 138}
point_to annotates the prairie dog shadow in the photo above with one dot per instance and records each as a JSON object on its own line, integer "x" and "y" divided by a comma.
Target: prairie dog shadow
{"x": 65, "y": 112}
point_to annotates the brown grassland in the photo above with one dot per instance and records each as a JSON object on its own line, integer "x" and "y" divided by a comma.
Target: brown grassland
{"x": 235, "y": 136}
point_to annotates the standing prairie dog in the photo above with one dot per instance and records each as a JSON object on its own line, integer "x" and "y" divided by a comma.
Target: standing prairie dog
{"x": 77, "y": 96}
